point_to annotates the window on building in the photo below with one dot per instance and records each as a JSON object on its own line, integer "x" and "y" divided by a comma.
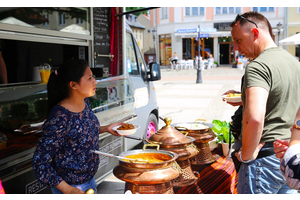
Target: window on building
{"x": 227, "y": 10}
{"x": 187, "y": 11}
{"x": 263, "y": 9}
{"x": 194, "y": 11}
{"x": 140, "y": 34}
{"x": 164, "y": 13}
{"x": 201, "y": 10}
{"x": 79, "y": 21}
{"x": 62, "y": 19}
{"x": 218, "y": 10}
{"x": 47, "y": 17}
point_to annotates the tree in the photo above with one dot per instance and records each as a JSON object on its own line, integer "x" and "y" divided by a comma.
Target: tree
{"x": 136, "y": 8}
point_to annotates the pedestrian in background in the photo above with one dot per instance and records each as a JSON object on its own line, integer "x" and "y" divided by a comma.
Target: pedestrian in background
{"x": 175, "y": 58}
{"x": 270, "y": 95}
{"x": 63, "y": 159}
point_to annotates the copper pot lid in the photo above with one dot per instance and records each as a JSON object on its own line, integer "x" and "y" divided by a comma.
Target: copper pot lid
{"x": 169, "y": 136}
{"x": 197, "y": 127}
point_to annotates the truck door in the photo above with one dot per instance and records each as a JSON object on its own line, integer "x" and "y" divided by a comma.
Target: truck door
{"x": 144, "y": 92}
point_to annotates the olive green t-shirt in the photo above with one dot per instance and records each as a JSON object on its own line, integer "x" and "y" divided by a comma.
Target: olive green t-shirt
{"x": 278, "y": 72}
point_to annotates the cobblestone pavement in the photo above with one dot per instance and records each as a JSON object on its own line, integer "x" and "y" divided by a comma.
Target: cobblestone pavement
{"x": 180, "y": 98}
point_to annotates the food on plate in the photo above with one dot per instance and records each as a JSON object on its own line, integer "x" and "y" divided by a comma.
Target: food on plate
{"x": 234, "y": 95}
{"x": 149, "y": 157}
{"x": 126, "y": 127}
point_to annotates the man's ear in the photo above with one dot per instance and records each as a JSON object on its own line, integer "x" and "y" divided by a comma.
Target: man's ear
{"x": 255, "y": 32}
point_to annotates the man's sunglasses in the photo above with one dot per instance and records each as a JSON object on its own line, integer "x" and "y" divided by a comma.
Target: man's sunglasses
{"x": 238, "y": 15}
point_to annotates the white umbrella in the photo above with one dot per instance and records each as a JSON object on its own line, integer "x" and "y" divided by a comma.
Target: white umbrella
{"x": 73, "y": 28}
{"x": 295, "y": 39}
{"x": 12, "y": 20}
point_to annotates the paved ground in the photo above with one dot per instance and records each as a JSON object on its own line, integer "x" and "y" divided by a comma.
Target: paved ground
{"x": 182, "y": 99}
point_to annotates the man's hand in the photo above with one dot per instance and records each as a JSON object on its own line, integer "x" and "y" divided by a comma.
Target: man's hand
{"x": 231, "y": 103}
{"x": 255, "y": 153}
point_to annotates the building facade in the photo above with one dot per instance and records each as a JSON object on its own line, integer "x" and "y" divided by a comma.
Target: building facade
{"x": 293, "y": 28}
{"x": 178, "y": 29}
{"x": 137, "y": 29}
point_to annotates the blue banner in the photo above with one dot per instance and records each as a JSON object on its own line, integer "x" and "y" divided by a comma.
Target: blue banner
{"x": 195, "y": 30}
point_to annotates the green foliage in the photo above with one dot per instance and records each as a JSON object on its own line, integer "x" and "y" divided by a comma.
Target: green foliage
{"x": 136, "y": 8}
{"x": 221, "y": 129}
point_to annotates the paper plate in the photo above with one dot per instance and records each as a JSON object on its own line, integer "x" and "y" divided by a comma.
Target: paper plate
{"x": 232, "y": 99}
{"x": 126, "y": 132}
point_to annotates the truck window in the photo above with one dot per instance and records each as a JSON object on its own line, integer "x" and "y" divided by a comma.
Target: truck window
{"x": 141, "y": 62}
{"x": 131, "y": 61}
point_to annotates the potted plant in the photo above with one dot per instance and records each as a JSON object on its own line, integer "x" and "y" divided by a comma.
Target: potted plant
{"x": 221, "y": 129}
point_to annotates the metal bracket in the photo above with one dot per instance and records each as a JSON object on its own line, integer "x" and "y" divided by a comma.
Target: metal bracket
{"x": 111, "y": 57}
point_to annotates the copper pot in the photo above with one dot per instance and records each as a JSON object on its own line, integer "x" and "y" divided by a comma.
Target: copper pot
{"x": 172, "y": 140}
{"x": 202, "y": 133}
{"x": 148, "y": 178}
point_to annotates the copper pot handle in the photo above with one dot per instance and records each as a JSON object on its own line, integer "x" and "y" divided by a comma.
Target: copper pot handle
{"x": 177, "y": 167}
{"x": 151, "y": 145}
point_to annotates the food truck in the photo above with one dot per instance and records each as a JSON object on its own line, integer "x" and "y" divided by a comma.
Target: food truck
{"x": 31, "y": 38}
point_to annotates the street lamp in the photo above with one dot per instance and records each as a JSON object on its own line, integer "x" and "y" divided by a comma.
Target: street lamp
{"x": 279, "y": 25}
{"x": 199, "y": 78}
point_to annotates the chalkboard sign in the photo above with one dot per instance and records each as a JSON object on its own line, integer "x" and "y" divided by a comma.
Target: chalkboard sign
{"x": 102, "y": 38}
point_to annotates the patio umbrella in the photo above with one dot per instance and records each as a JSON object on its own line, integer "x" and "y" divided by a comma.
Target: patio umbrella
{"x": 12, "y": 20}
{"x": 73, "y": 28}
{"x": 293, "y": 40}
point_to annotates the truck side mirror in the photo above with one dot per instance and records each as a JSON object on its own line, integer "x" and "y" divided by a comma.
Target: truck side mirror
{"x": 154, "y": 74}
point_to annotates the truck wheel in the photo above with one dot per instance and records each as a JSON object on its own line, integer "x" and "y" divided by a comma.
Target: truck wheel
{"x": 152, "y": 125}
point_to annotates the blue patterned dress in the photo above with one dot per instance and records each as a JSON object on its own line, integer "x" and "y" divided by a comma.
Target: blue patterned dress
{"x": 63, "y": 152}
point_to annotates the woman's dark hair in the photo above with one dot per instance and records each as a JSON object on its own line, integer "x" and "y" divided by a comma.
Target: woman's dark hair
{"x": 58, "y": 84}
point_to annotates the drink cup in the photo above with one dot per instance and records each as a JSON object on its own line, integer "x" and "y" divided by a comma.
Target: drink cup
{"x": 45, "y": 71}
{"x": 42, "y": 73}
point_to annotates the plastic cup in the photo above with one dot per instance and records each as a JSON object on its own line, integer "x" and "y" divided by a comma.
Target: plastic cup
{"x": 45, "y": 71}
{"x": 42, "y": 73}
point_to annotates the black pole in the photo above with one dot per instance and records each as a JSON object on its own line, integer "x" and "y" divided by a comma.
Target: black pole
{"x": 199, "y": 78}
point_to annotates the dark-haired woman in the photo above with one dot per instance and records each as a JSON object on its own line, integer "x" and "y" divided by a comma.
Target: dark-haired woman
{"x": 62, "y": 159}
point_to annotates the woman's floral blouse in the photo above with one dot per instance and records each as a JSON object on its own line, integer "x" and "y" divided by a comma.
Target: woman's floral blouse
{"x": 63, "y": 152}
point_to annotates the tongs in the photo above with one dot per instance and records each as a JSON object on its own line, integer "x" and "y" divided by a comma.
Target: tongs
{"x": 119, "y": 157}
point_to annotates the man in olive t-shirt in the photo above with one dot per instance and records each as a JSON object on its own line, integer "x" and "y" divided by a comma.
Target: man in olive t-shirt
{"x": 278, "y": 72}
{"x": 270, "y": 98}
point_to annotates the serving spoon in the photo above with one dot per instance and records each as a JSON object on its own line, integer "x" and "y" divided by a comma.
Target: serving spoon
{"x": 118, "y": 157}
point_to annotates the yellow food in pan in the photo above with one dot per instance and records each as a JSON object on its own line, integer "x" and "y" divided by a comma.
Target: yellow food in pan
{"x": 149, "y": 157}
